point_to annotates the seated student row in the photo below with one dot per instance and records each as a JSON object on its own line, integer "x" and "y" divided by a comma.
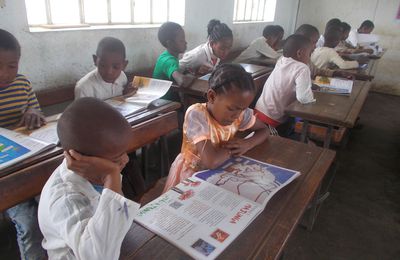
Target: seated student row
{"x": 226, "y": 88}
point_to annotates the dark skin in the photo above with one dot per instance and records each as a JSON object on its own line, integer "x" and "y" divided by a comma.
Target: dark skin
{"x": 176, "y": 46}
{"x": 221, "y": 50}
{"x": 225, "y": 108}
{"x": 9, "y": 61}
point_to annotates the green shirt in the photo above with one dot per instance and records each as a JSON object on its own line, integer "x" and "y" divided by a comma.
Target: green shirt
{"x": 166, "y": 65}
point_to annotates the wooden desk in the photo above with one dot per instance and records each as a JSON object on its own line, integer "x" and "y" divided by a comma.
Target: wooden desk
{"x": 263, "y": 61}
{"x": 266, "y": 236}
{"x": 24, "y": 180}
{"x": 331, "y": 110}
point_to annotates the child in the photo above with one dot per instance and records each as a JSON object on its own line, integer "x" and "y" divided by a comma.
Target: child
{"x": 82, "y": 212}
{"x": 204, "y": 58}
{"x": 209, "y": 128}
{"x": 263, "y": 47}
{"x": 172, "y": 37}
{"x": 322, "y": 57}
{"x": 334, "y": 22}
{"x": 108, "y": 79}
{"x": 19, "y": 107}
{"x": 290, "y": 80}
{"x": 366, "y": 27}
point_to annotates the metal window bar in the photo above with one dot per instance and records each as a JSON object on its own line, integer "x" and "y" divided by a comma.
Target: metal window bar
{"x": 251, "y": 10}
{"x": 167, "y": 10}
{"x": 258, "y": 8}
{"x": 82, "y": 11}
{"x": 151, "y": 11}
{"x": 132, "y": 11}
{"x": 245, "y": 9}
{"x": 263, "y": 10}
{"x": 48, "y": 12}
{"x": 109, "y": 11}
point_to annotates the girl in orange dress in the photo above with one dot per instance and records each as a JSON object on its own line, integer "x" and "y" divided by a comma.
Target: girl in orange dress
{"x": 209, "y": 128}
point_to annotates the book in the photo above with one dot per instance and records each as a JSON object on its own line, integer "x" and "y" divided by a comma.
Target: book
{"x": 15, "y": 147}
{"x": 148, "y": 91}
{"x": 203, "y": 214}
{"x": 333, "y": 85}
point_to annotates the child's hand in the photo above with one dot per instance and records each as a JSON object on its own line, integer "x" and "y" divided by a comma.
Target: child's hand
{"x": 204, "y": 69}
{"x": 344, "y": 74}
{"x": 363, "y": 60}
{"x": 237, "y": 146}
{"x": 187, "y": 80}
{"x": 32, "y": 118}
{"x": 130, "y": 89}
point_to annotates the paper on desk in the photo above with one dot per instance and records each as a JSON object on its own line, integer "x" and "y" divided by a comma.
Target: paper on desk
{"x": 334, "y": 85}
{"x": 148, "y": 90}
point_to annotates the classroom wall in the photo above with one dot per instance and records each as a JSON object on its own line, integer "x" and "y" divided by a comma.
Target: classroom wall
{"x": 51, "y": 59}
{"x": 381, "y": 12}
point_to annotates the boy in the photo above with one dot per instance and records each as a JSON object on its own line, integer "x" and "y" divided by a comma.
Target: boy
{"x": 19, "y": 107}
{"x": 263, "y": 47}
{"x": 108, "y": 79}
{"x": 172, "y": 37}
{"x": 322, "y": 57}
{"x": 334, "y": 22}
{"x": 366, "y": 27}
{"x": 82, "y": 213}
{"x": 290, "y": 80}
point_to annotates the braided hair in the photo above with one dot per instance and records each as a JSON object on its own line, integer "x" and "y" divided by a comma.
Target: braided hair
{"x": 218, "y": 31}
{"x": 227, "y": 76}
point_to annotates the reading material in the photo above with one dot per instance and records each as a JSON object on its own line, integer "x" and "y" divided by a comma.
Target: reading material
{"x": 204, "y": 213}
{"x": 334, "y": 85}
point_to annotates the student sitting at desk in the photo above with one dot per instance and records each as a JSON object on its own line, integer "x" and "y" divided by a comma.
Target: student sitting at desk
{"x": 19, "y": 107}
{"x": 204, "y": 58}
{"x": 108, "y": 79}
{"x": 323, "y": 57}
{"x": 334, "y": 22}
{"x": 172, "y": 37}
{"x": 344, "y": 48}
{"x": 366, "y": 27}
{"x": 82, "y": 212}
{"x": 290, "y": 80}
{"x": 209, "y": 128}
{"x": 264, "y": 47}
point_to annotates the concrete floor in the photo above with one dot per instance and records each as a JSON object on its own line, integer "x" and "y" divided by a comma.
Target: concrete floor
{"x": 361, "y": 217}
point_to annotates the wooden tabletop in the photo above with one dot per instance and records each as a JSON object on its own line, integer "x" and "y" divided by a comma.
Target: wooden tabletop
{"x": 267, "y": 235}
{"x": 331, "y": 109}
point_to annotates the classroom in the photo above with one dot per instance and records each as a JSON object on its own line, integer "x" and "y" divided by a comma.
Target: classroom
{"x": 186, "y": 129}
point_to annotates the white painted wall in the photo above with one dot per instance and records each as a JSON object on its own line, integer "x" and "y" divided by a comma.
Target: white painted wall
{"x": 381, "y": 12}
{"x": 51, "y": 59}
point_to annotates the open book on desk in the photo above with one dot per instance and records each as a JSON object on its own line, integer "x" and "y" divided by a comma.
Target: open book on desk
{"x": 15, "y": 147}
{"x": 46, "y": 133}
{"x": 333, "y": 85}
{"x": 206, "y": 212}
{"x": 148, "y": 90}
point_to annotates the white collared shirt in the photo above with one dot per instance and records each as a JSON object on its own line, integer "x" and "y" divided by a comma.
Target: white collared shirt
{"x": 320, "y": 42}
{"x": 201, "y": 55}
{"x": 353, "y": 38}
{"x": 258, "y": 48}
{"x": 78, "y": 222}
{"x": 323, "y": 56}
{"x": 290, "y": 80}
{"x": 93, "y": 85}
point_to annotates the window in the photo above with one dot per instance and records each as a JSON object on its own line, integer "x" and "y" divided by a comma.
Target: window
{"x": 254, "y": 10}
{"x": 76, "y": 13}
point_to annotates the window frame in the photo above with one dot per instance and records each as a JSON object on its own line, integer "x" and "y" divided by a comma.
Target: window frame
{"x": 251, "y": 20}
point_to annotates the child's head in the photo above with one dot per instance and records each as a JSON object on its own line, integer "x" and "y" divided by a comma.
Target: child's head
{"x": 366, "y": 27}
{"x": 298, "y": 47}
{"x": 94, "y": 128}
{"x": 334, "y": 22}
{"x": 333, "y": 36}
{"x": 110, "y": 58}
{"x": 10, "y": 52}
{"x": 345, "y": 30}
{"x": 220, "y": 38}
{"x": 172, "y": 37}
{"x": 310, "y": 32}
{"x": 273, "y": 35}
{"x": 231, "y": 91}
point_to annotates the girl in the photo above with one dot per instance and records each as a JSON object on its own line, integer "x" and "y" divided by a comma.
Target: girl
{"x": 204, "y": 58}
{"x": 209, "y": 128}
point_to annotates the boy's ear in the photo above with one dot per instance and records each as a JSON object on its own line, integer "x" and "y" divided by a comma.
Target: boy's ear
{"x": 299, "y": 53}
{"x": 94, "y": 59}
{"x": 211, "y": 96}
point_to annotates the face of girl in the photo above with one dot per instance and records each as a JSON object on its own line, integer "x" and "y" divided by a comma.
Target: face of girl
{"x": 227, "y": 107}
{"x": 222, "y": 47}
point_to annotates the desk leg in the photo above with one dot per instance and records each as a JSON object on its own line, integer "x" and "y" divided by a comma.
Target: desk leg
{"x": 304, "y": 131}
{"x": 328, "y": 137}
{"x": 164, "y": 156}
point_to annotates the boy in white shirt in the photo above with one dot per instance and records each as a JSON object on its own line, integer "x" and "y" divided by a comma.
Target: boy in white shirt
{"x": 82, "y": 212}
{"x": 366, "y": 27}
{"x": 108, "y": 79}
{"x": 290, "y": 80}
{"x": 334, "y": 22}
{"x": 264, "y": 47}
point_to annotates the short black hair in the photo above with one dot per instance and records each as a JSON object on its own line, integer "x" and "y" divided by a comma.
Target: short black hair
{"x": 279, "y": 29}
{"x": 333, "y": 22}
{"x": 217, "y": 31}
{"x": 346, "y": 27}
{"x": 227, "y": 76}
{"x": 307, "y": 30}
{"x": 367, "y": 24}
{"x": 8, "y": 42}
{"x": 167, "y": 32}
{"x": 111, "y": 44}
{"x": 294, "y": 43}
{"x": 333, "y": 34}
{"x": 271, "y": 31}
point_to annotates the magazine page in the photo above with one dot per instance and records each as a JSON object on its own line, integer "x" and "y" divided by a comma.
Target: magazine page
{"x": 249, "y": 178}
{"x": 148, "y": 90}
{"x": 125, "y": 108}
{"x": 15, "y": 147}
{"x": 198, "y": 217}
{"x": 46, "y": 133}
{"x": 334, "y": 85}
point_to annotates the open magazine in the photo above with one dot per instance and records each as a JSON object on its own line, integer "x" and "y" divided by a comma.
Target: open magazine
{"x": 148, "y": 90}
{"x": 15, "y": 147}
{"x": 204, "y": 213}
{"x": 46, "y": 133}
{"x": 333, "y": 85}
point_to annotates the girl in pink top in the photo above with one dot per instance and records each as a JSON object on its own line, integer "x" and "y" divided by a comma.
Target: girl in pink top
{"x": 209, "y": 128}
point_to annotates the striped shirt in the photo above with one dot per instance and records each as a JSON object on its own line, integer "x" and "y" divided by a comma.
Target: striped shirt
{"x": 15, "y": 99}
